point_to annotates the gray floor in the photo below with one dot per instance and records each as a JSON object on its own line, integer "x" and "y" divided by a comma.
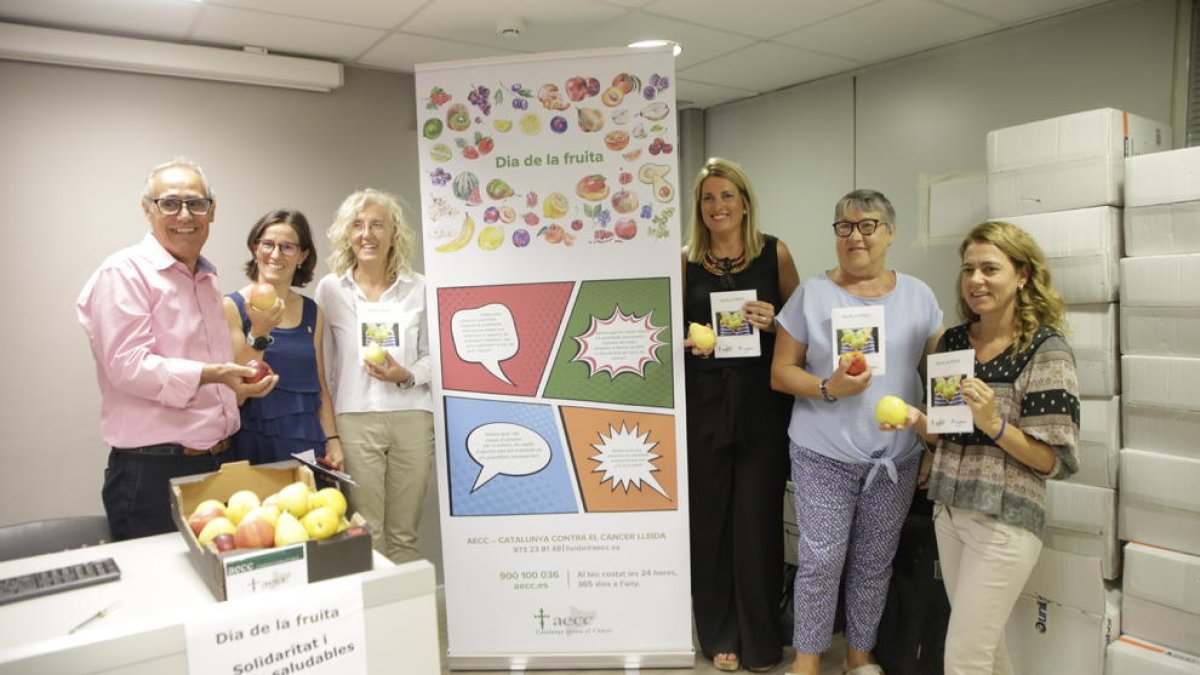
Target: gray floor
{"x": 830, "y": 664}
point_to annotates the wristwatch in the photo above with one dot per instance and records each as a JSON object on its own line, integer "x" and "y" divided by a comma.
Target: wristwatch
{"x": 259, "y": 343}
{"x": 829, "y": 398}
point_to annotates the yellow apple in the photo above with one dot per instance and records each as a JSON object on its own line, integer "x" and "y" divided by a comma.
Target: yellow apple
{"x": 331, "y": 497}
{"x": 702, "y": 336}
{"x": 263, "y": 296}
{"x": 209, "y": 504}
{"x": 268, "y": 512}
{"x": 321, "y": 522}
{"x": 375, "y": 354}
{"x": 293, "y": 498}
{"x": 891, "y": 410}
{"x": 240, "y": 504}
{"x": 289, "y": 530}
{"x": 213, "y": 528}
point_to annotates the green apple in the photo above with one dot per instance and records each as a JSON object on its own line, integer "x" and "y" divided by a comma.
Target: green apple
{"x": 330, "y": 497}
{"x": 321, "y": 522}
{"x": 891, "y": 410}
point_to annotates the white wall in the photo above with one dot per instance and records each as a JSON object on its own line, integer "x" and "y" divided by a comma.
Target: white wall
{"x": 75, "y": 146}
{"x": 883, "y": 128}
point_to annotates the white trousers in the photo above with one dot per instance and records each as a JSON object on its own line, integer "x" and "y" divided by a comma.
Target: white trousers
{"x": 985, "y": 564}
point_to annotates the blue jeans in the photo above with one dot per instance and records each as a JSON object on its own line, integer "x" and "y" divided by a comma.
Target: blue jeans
{"x": 137, "y": 489}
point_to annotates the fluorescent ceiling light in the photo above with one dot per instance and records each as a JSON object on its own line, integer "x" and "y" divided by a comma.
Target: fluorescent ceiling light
{"x": 87, "y": 50}
{"x": 676, "y": 48}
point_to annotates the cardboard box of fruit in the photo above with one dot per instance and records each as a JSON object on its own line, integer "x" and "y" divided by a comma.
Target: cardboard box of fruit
{"x": 248, "y": 513}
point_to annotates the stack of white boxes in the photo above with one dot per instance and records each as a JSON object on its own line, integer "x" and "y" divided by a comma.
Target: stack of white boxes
{"x": 1062, "y": 180}
{"x": 1160, "y": 460}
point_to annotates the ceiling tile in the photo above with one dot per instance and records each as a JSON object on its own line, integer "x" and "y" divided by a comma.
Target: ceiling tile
{"x": 889, "y": 29}
{"x": 168, "y": 19}
{"x": 746, "y": 68}
{"x": 768, "y": 18}
{"x": 1019, "y": 11}
{"x": 691, "y": 94}
{"x": 369, "y": 13}
{"x": 224, "y": 25}
{"x": 546, "y": 24}
{"x": 401, "y": 51}
{"x": 699, "y": 43}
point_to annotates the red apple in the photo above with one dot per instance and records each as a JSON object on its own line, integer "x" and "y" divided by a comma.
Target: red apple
{"x": 200, "y": 518}
{"x": 858, "y": 363}
{"x": 262, "y": 296}
{"x": 224, "y": 542}
{"x": 254, "y": 533}
{"x": 261, "y": 370}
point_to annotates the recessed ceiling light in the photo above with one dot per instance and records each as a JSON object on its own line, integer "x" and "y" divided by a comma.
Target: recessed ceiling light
{"x": 640, "y": 44}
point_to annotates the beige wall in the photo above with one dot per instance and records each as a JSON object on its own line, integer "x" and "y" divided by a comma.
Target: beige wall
{"x": 75, "y": 145}
{"x": 885, "y": 127}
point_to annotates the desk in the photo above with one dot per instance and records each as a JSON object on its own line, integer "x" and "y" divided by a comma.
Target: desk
{"x": 158, "y": 588}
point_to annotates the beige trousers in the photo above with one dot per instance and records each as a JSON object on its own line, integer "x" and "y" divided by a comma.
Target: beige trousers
{"x": 389, "y": 455}
{"x": 985, "y": 564}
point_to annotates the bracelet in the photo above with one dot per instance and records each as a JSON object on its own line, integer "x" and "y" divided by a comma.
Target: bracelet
{"x": 1000, "y": 434}
{"x": 330, "y": 438}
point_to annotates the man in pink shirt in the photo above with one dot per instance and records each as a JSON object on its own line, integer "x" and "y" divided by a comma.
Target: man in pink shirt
{"x": 164, "y": 361}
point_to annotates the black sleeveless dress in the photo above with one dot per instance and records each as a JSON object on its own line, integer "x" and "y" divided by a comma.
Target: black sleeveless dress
{"x": 737, "y": 469}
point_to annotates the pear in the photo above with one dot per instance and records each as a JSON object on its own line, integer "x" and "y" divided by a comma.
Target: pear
{"x": 702, "y": 336}
{"x": 289, "y": 530}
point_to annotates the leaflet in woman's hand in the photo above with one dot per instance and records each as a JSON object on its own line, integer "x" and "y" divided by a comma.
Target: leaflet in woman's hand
{"x": 947, "y": 412}
{"x": 736, "y": 337}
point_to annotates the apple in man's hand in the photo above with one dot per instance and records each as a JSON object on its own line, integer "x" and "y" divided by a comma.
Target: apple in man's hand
{"x": 263, "y": 296}
{"x": 261, "y": 370}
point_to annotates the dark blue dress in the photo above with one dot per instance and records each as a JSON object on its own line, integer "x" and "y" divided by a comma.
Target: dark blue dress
{"x": 284, "y": 421}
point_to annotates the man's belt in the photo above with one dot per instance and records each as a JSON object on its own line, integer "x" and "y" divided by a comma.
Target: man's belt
{"x": 177, "y": 449}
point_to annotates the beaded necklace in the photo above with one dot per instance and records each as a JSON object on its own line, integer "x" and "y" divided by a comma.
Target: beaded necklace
{"x": 724, "y": 268}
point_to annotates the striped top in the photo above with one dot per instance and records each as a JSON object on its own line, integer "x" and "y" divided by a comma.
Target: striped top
{"x": 1036, "y": 390}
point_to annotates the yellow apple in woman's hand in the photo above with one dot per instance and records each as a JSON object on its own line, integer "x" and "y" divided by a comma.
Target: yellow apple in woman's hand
{"x": 891, "y": 410}
{"x": 702, "y": 336}
{"x": 375, "y": 354}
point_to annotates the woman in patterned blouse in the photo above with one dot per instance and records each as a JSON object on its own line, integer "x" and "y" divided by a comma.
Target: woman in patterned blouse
{"x": 989, "y": 486}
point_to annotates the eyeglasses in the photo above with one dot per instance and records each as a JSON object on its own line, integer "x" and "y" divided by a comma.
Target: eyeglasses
{"x": 170, "y": 206}
{"x": 286, "y": 248}
{"x": 866, "y": 227}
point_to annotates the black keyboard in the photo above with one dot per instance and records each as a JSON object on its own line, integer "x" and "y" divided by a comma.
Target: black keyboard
{"x": 45, "y": 582}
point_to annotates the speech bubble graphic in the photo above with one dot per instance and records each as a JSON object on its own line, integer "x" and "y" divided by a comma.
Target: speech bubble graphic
{"x": 626, "y": 459}
{"x": 486, "y": 335}
{"x": 509, "y": 449}
{"x": 622, "y": 343}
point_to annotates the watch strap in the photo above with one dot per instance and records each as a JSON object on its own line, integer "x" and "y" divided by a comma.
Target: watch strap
{"x": 259, "y": 343}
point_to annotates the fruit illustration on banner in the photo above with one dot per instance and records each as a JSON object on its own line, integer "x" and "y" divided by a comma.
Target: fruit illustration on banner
{"x": 465, "y": 233}
{"x": 263, "y": 296}
{"x": 626, "y": 228}
{"x": 491, "y": 237}
{"x": 592, "y": 188}
{"x": 702, "y": 336}
{"x": 858, "y": 363}
{"x": 555, "y": 206}
{"x": 458, "y": 117}
{"x": 891, "y": 410}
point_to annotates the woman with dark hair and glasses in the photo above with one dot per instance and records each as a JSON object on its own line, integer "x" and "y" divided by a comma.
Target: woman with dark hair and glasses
{"x": 298, "y": 414}
{"x": 737, "y": 427}
{"x": 853, "y": 482}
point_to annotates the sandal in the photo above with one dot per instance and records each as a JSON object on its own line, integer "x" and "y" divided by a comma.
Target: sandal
{"x": 726, "y": 662}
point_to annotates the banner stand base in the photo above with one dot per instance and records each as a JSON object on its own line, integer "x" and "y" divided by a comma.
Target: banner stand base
{"x": 520, "y": 663}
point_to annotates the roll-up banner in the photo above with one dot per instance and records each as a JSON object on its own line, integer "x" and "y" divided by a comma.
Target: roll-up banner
{"x": 551, "y": 227}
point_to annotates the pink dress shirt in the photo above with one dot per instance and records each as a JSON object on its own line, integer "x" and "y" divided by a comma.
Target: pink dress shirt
{"x": 152, "y": 326}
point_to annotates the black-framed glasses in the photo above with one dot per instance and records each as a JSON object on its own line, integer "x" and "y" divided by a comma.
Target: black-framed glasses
{"x": 866, "y": 227}
{"x": 286, "y": 248}
{"x": 170, "y": 206}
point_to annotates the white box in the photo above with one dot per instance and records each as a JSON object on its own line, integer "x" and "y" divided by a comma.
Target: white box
{"x": 1067, "y": 162}
{"x": 1082, "y": 519}
{"x": 1093, "y": 338}
{"x": 1161, "y": 381}
{"x": 1162, "y": 229}
{"x": 1158, "y": 429}
{"x": 1160, "y": 331}
{"x": 1131, "y": 655}
{"x": 1162, "y": 177}
{"x": 1161, "y": 281}
{"x": 1064, "y": 618}
{"x": 1160, "y": 500}
{"x": 1083, "y": 251}
{"x": 1161, "y": 596}
{"x": 1099, "y": 442}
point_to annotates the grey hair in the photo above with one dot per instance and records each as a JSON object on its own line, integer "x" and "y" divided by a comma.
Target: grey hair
{"x": 177, "y": 163}
{"x": 869, "y": 201}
